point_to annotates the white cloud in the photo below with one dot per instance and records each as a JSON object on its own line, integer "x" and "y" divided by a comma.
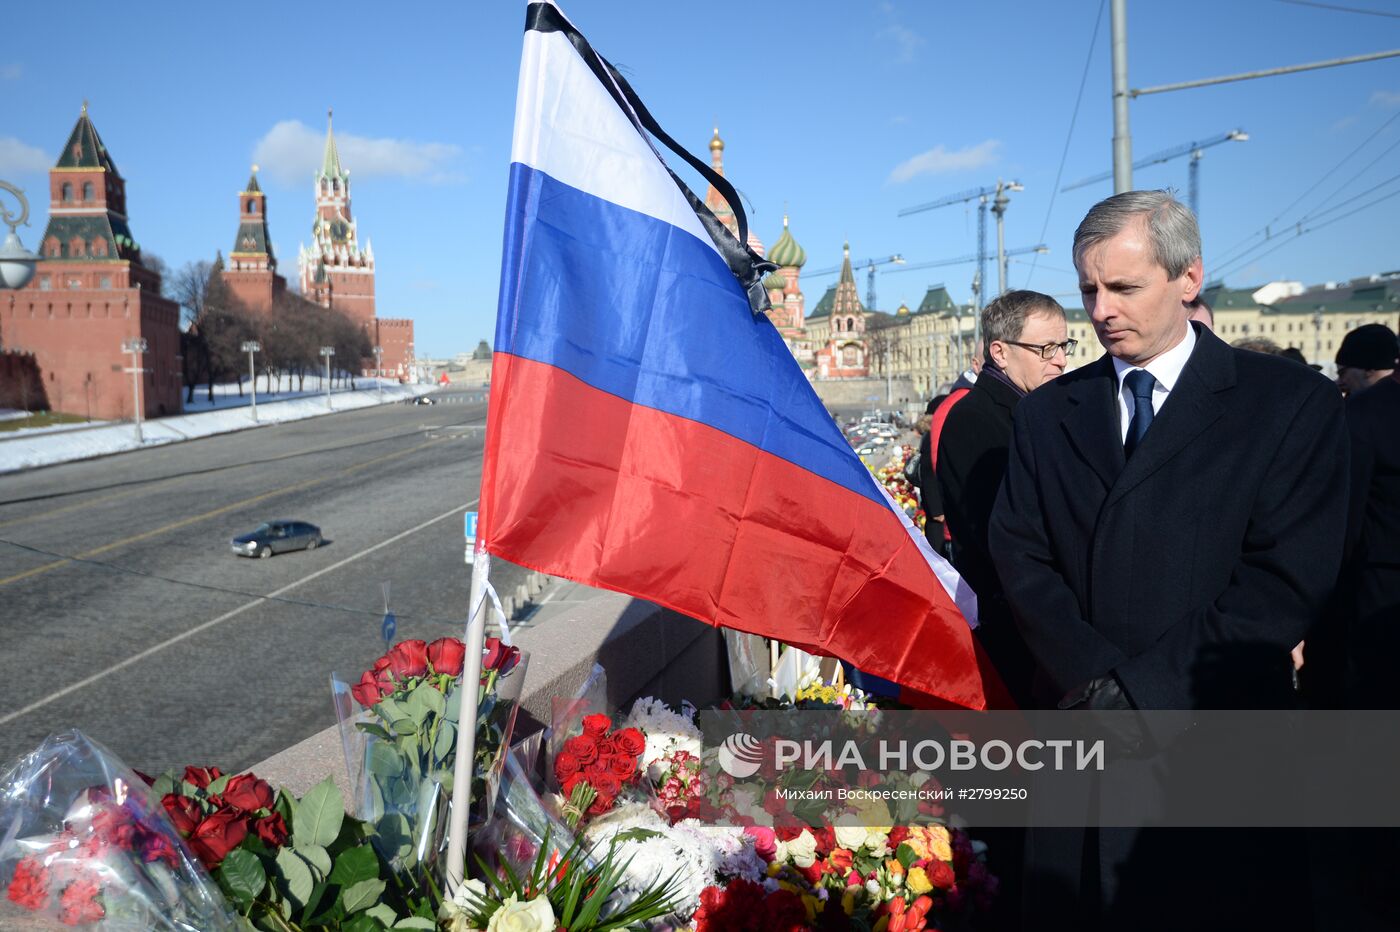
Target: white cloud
{"x": 906, "y": 40}
{"x": 1345, "y": 122}
{"x": 11, "y": 72}
{"x": 18, "y": 158}
{"x": 1385, "y": 99}
{"x": 939, "y": 160}
{"x": 291, "y": 152}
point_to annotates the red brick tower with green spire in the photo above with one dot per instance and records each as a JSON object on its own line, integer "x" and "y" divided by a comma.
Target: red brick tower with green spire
{"x": 251, "y": 270}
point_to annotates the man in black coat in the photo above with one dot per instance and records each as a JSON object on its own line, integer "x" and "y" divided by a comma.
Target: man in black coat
{"x": 1170, "y": 526}
{"x": 1024, "y": 334}
{"x": 1370, "y": 589}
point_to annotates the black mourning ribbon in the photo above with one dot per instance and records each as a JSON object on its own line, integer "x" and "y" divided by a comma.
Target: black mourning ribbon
{"x": 746, "y": 265}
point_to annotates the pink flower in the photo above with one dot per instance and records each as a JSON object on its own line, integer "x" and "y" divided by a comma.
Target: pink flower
{"x": 765, "y": 841}
{"x": 80, "y": 903}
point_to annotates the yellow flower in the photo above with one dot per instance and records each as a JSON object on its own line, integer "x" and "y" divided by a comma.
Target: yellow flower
{"x": 774, "y": 868}
{"x": 930, "y": 842}
{"x": 810, "y": 902}
{"x": 918, "y": 881}
{"x": 848, "y": 902}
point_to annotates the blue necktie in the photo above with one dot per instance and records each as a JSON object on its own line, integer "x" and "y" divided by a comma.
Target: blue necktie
{"x": 1140, "y": 383}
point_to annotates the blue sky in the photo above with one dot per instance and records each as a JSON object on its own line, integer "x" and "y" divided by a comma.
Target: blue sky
{"x": 844, "y": 112}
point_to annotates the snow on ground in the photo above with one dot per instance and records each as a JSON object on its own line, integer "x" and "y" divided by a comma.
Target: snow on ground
{"x": 45, "y": 446}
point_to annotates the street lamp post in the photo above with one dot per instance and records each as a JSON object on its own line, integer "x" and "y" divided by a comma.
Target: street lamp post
{"x": 16, "y": 262}
{"x": 136, "y": 346}
{"x": 379, "y": 372}
{"x": 326, "y": 353}
{"x": 250, "y": 347}
{"x": 1317, "y": 334}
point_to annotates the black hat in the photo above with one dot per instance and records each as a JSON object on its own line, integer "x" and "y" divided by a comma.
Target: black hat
{"x": 1370, "y": 346}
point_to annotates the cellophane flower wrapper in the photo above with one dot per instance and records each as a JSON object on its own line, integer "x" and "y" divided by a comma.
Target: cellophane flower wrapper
{"x": 81, "y": 845}
{"x": 401, "y": 753}
{"x": 522, "y": 821}
{"x": 593, "y": 746}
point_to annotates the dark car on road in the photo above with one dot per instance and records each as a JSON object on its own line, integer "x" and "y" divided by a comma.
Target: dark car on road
{"x": 278, "y": 537}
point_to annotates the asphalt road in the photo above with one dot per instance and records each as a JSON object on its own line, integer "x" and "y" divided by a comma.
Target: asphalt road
{"x": 124, "y": 613}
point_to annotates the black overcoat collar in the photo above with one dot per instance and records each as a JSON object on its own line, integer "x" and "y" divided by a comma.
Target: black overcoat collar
{"x": 1192, "y": 406}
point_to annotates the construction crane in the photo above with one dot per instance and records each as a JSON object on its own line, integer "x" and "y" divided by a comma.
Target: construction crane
{"x": 869, "y": 266}
{"x": 1193, "y": 149}
{"x": 980, "y": 194}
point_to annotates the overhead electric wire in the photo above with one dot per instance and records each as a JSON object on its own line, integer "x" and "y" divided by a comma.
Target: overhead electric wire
{"x": 1341, "y": 187}
{"x": 1074, "y": 118}
{"x": 1299, "y": 231}
{"x": 1228, "y": 256}
{"x": 1339, "y": 9}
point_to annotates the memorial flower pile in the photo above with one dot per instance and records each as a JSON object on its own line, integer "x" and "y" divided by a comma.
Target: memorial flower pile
{"x": 891, "y": 476}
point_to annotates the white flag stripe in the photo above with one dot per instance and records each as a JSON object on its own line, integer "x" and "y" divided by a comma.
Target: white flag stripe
{"x": 570, "y": 128}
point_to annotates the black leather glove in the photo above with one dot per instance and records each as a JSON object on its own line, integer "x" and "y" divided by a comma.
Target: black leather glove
{"x": 1124, "y": 730}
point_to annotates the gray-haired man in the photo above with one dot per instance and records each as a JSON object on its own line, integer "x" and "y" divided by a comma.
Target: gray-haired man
{"x": 1170, "y": 526}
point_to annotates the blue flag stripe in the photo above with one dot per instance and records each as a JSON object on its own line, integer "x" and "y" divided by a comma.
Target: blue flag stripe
{"x": 645, "y": 311}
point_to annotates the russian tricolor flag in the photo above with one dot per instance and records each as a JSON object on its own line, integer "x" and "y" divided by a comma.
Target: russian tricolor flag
{"x": 650, "y": 433}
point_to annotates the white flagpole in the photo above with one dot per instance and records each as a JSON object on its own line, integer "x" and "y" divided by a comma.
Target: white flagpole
{"x": 474, "y": 639}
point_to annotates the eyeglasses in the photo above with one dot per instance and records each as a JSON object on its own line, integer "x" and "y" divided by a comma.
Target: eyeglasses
{"x": 1049, "y": 350}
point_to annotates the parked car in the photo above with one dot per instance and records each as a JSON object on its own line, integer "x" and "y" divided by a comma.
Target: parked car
{"x": 423, "y": 400}
{"x": 277, "y": 537}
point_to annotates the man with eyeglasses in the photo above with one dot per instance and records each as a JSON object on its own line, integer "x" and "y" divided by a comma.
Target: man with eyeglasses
{"x": 1024, "y": 335}
{"x": 1170, "y": 526}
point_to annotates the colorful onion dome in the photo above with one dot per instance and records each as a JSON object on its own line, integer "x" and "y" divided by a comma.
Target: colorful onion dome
{"x": 785, "y": 251}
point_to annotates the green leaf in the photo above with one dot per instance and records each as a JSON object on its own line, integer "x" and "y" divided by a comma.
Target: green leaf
{"x": 363, "y": 923}
{"x": 391, "y": 710}
{"x": 244, "y": 876}
{"x": 406, "y": 726}
{"x": 362, "y": 895}
{"x": 906, "y": 855}
{"x": 453, "y": 712}
{"x": 370, "y": 728}
{"x": 394, "y": 832}
{"x": 430, "y": 698}
{"x": 297, "y": 882}
{"x": 355, "y": 865}
{"x": 165, "y": 784}
{"x": 319, "y": 815}
{"x": 316, "y": 856}
{"x": 286, "y": 806}
{"x": 446, "y": 742}
{"x": 385, "y": 914}
{"x": 416, "y": 922}
{"x": 218, "y": 786}
{"x": 384, "y": 760}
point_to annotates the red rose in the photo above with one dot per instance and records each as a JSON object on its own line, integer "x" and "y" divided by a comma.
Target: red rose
{"x": 565, "y": 766}
{"x": 898, "y": 834}
{"x": 606, "y": 784}
{"x": 80, "y": 903}
{"x": 381, "y": 664}
{"x": 158, "y": 848}
{"x": 630, "y": 741}
{"x": 446, "y": 655}
{"x": 217, "y": 835}
{"x": 941, "y": 875}
{"x": 601, "y": 804}
{"x": 606, "y": 748}
{"x": 826, "y": 840}
{"x": 582, "y": 747}
{"x": 596, "y": 725}
{"x": 369, "y": 690}
{"x": 622, "y": 766}
{"x": 568, "y": 786}
{"x": 409, "y": 658}
{"x": 272, "y": 830}
{"x": 492, "y": 653}
{"x": 248, "y": 793}
{"x": 30, "y": 885}
{"x": 202, "y": 776}
{"x": 184, "y": 812}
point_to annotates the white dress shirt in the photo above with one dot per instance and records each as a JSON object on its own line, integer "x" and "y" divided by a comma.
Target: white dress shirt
{"x": 1166, "y": 369}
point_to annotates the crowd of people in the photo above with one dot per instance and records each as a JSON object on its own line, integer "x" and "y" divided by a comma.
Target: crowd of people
{"x": 1181, "y": 524}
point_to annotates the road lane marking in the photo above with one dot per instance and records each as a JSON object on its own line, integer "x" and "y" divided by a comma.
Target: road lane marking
{"x": 184, "y": 522}
{"x": 205, "y": 626}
